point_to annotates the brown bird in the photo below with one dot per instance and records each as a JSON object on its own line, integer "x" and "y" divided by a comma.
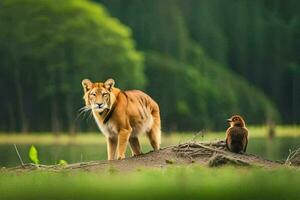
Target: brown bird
{"x": 237, "y": 135}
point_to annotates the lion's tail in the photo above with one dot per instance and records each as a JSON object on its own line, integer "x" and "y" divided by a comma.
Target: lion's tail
{"x": 156, "y": 127}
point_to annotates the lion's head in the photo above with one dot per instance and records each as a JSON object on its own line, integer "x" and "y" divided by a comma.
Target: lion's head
{"x": 98, "y": 96}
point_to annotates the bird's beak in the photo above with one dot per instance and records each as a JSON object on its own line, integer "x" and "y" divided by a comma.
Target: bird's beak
{"x": 229, "y": 120}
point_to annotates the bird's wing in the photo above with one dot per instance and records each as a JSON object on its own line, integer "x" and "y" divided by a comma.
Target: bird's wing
{"x": 245, "y": 147}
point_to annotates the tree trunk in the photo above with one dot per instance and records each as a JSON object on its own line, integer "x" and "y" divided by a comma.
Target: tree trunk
{"x": 20, "y": 100}
{"x": 11, "y": 118}
{"x": 296, "y": 96}
{"x": 54, "y": 117}
{"x": 70, "y": 115}
{"x": 18, "y": 87}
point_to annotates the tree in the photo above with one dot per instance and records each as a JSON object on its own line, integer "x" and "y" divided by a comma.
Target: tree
{"x": 201, "y": 94}
{"x": 157, "y": 25}
{"x": 51, "y": 45}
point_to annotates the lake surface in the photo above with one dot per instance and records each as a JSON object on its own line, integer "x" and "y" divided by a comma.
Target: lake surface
{"x": 276, "y": 149}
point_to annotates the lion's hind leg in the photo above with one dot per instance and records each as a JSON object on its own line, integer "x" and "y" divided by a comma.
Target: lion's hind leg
{"x": 154, "y": 137}
{"x": 135, "y": 145}
{"x": 154, "y": 134}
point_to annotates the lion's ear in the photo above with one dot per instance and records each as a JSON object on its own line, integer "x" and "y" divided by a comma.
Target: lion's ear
{"x": 86, "y": 84}
{"x": 109, "y": 84}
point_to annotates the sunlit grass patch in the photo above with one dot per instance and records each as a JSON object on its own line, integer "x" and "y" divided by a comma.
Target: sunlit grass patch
{"x": 168, "y": 138}
{"x": 49, "y": 138}
{"x": 170, "y": 183}
{"x": 280, "y": 131}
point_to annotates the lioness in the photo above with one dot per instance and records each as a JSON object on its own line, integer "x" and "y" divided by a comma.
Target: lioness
{"x": 121, "y": 116}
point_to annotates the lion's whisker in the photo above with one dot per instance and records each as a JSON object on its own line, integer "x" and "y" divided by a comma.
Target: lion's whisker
{"x": 83, "y": 111}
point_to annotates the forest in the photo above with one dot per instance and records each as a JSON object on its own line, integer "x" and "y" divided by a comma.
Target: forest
{"x": 201, "y": 60}
{"x": 225, "y": 74}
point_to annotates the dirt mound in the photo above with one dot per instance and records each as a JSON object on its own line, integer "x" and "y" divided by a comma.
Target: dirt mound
{"x": 211, "y": 154}
{"x": 220, "y": 160}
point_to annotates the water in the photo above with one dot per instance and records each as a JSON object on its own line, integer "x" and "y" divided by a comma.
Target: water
{"x": 276, "y": 149}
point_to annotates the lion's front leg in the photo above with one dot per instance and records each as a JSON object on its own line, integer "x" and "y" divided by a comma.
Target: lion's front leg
{"x": 112, "y": 144}
{"x": 123, "y": 138}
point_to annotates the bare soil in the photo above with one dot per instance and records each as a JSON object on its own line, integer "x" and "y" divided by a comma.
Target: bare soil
{"x": 211, "y": 154}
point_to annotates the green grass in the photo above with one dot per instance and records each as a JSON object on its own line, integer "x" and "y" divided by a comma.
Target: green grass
{"x": 171, "y": 183}
{"x": 184, "y": 182}
{"x": 171, "y": 138}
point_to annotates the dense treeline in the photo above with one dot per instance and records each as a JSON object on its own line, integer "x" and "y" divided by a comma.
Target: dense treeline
{"x": 47, "y": 48}
{"x": 258, "y": 39}
{"x": 197, "y": 59}
{"x": 202, "y": 95}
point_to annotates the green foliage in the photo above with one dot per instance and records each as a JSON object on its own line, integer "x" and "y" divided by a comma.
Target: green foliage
{"x": 202, "y": 95}
{"x": 235, "y": 56}
{"x": 157, "y": 25}
{"x": 48, "y": 47}
{"x": 257, "y": 40}
{"x": 33, "y": 155}
{"x": 233, "y": 91}
{"x": 62, "y": 162}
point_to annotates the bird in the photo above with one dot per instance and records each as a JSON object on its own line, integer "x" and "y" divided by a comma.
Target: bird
{"x": 237, "y": 135}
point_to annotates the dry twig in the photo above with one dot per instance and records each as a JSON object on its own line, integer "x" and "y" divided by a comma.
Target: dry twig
{"x": 22, "y": 163}
{"x": 291, "y": 156}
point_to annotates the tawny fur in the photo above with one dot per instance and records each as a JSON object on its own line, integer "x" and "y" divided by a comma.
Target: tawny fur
{"x": 237, "y": 135}
{"x": 129, "y": 113}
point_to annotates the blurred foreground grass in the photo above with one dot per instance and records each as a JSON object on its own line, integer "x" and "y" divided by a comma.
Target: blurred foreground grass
{"x": 169, "y": 138}
{"x": 185, "y": 182}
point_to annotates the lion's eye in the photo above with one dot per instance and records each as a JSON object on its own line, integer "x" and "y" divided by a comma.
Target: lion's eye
{"x": 105, "y": 95}
{"x": 93, "y": 94}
